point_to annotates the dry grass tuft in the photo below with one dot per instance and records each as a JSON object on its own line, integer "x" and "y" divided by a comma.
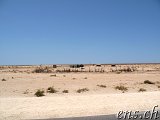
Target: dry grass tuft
{"x": 39, "y": 93}
{"x": 148, "y": 82}
{"x": 122, "y": 88}
{"x": 158, "y": 82}
{"x": 4, "y": 79}
{"x": 42, "y": 70}
{"x": 142, "y": 90}
{"x": 53, "y": 75}
{"x": 118, "y": 72}
{"x": 102, "y": 86}
{"x": 51, "y": 90}
{"x": 26, "y": 92}
{"x": 82, "y": 90}
{"x": 65, "y": 91}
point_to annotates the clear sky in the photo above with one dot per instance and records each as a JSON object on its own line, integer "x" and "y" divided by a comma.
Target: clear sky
{"x": 79, "y": 31}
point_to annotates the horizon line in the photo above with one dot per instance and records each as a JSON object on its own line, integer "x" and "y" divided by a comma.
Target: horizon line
{"x": 85, "y": 64}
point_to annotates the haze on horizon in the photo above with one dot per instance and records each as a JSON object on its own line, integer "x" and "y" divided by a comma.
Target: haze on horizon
{"x": 79, "y": 31}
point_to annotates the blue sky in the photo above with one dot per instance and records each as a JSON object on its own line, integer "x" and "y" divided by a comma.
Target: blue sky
{"x": 79, "y": 31}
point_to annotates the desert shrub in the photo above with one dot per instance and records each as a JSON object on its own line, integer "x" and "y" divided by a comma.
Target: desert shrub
{"x": 81, "y": 65}
{"x": 42, "y": 70}
{"x": 39, "y": 70}
{"x": 113, "y": 65}
{"x": 102, "y": 86}
{"x": 65, "y": 91}
{"x": 85, "y": 78}
{"x": 158, "y": 82}
{"x": 26, "y": 92}
{"x": 58, "y": 71}
{"x": 54, "y": 66}
{"x": 64, "y": 75}
{"x": 39, "y": 93}
{"x": 158, "y": 86}
{"x": 4, "y": 79}
{"x": 142, "y": 90}
{"x": 73, "y": 66}
{"x": 128, "y": 69}
{"x": 148, "y": 82}
{"x": 76, "y": 66}
{"x": 82, "y": 90}
{"x": 125, "y": 70}
{"x": 118, "y": 72}
{"x": 51, "y": 90}
{"x": 53, "y": 75}
{"x": 122, "y": 88}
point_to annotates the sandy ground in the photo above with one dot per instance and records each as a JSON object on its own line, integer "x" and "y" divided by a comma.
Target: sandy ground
{"x": 17, "y": 99}
{"x": 75, "y": 105}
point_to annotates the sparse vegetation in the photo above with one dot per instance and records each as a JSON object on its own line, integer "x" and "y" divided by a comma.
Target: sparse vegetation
{"x": 26, "y": 92}
{"x": 39, "y": 70}
{"x": 158, "y": 82}
{"x": 42, "y": 70}
{"x": 128, "y": 69}
{"x": 53, "y": 75}
{"x": 122, "y": 88}
{"x": 4, "y": 79}
{"x": 82, "y": 90}
{"x": 39, "y": 93}
{"x": 142, "y": 90}
{"x": 148, "y": 82}
{"x": 54, "y": 66}
{"x": 118, "y": 72}
{"x": 76, "y": 66}
{"x": 102, "y": 86}
{"x": 113, "y": 65}
{"x": 85, "y": 78}
{"x": 65, "y": 91}
{"x": 51, "y": 90}
{"x": 158, "y": 86}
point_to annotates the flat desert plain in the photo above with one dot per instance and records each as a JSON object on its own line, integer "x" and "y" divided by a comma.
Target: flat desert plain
{"x": 71, "y": 92}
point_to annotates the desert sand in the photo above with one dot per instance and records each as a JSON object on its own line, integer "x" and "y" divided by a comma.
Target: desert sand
{"x": 18, "y": 85}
